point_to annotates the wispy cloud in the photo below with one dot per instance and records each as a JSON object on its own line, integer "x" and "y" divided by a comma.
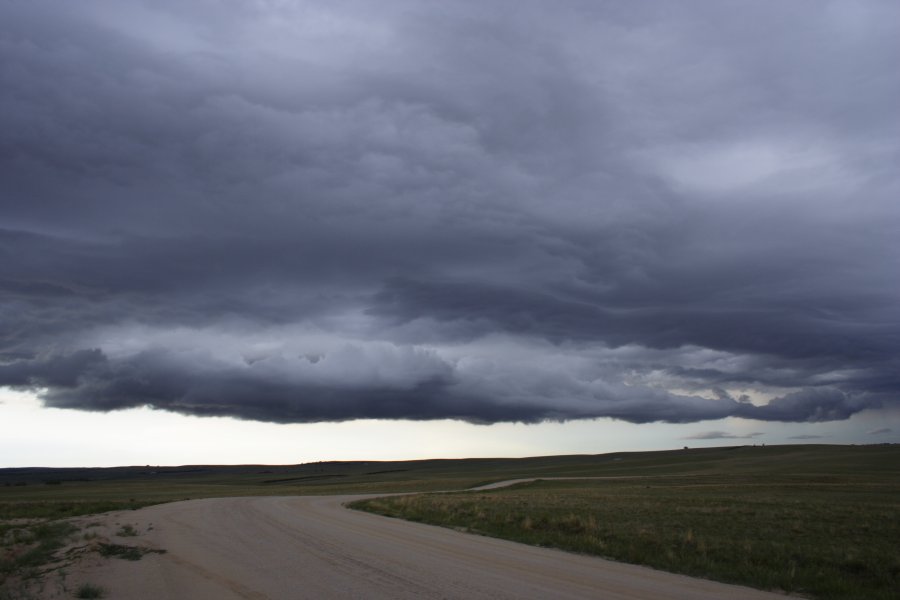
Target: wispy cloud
{"x": 806, "y": 437}
{"x": 722, "y": 435}
{"x": 880, "y": 431}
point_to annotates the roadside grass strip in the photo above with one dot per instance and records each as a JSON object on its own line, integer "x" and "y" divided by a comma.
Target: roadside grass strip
{"x": 827, "y": 538}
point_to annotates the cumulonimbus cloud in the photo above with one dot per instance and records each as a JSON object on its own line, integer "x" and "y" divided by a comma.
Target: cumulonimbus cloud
{"x": 459, "y": 215}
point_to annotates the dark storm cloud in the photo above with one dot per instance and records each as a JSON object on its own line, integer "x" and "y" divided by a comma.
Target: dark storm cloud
{"x": 297, "y": 211}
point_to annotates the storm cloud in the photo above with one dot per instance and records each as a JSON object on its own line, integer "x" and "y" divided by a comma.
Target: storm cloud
{"x": 486, "y": 211}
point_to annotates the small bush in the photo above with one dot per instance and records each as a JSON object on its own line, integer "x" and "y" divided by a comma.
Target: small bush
{"x": 119, "y": 551}
{"x": 89, "y": 590}
{"x": 126, "y": 552}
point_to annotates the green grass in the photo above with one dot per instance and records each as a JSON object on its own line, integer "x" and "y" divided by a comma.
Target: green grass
{"x": 54, "y": 507}
{"x": 26, "y": 548}
{"x": 825, "y": 530}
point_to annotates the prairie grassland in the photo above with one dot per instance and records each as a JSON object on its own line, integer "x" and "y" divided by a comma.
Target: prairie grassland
{"x": 827, "y": 537}
{"x": 778, "y": 517}
{"x": 54, "y": 493}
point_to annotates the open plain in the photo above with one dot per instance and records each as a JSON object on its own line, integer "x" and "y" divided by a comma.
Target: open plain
{"x": 817, "y": 521}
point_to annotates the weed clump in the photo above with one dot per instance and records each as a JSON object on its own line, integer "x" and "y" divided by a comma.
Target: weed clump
{"x": 126, "y": 531}
{"x": 126, "y": 552}
{"x": 89, "y": 590}
{"x": 26, "y": 549}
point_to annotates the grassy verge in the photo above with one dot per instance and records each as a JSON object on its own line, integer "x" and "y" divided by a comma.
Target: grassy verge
{"x": 33, "y": 532}
{"x": 25, "y": 549}
{"x": 61, "y": 509}
{"x": 828, "y": 537}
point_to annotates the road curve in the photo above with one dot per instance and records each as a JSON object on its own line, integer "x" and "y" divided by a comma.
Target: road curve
{"x": 312, "y": 547}
{"x": 511, "y": 482}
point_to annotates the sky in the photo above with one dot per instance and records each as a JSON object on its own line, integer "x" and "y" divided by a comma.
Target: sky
{"x": 283, "y": 231}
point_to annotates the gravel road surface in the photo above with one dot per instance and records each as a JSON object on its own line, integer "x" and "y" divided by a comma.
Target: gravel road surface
{"x": 312, "y": 547}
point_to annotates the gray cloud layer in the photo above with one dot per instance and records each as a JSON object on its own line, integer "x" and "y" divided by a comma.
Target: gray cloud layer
{"x": 722, "y": 435}
{"x": 299, "y": 211}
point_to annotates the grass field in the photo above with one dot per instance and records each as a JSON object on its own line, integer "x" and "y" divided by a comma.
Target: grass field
{"x": 822, "y": 520}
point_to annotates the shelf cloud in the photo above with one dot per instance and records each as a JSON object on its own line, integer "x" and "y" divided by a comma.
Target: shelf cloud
{"x": 486, "y": 211}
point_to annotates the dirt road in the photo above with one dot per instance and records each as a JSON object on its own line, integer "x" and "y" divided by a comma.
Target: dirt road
{"x": 313, "y": 547}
